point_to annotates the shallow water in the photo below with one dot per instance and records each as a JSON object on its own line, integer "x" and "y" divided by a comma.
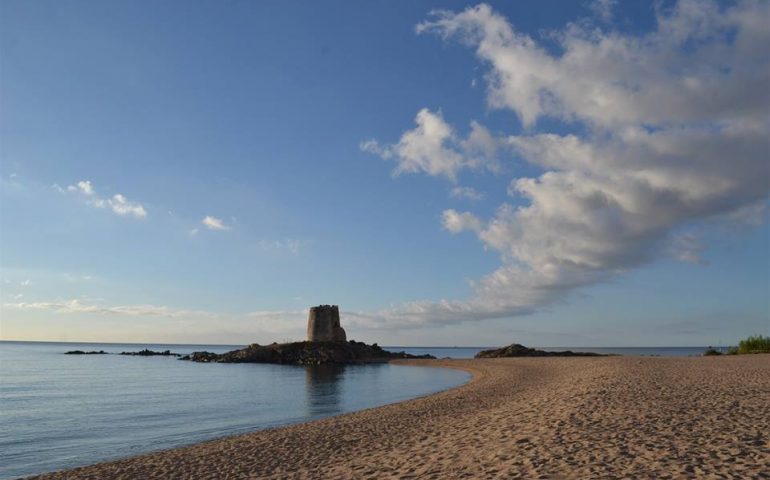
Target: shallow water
{"x": 60, "y": 411}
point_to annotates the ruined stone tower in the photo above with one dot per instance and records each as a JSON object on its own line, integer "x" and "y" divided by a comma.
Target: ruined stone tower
{"x": 323, "y": 324}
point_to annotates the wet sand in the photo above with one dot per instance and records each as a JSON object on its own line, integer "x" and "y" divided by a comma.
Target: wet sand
{"x": 640, "y": 417}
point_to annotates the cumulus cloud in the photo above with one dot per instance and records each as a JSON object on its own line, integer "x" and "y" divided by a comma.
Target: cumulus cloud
{"x": 118, "y": 203}
{"x": 83, "y": 186}
{"x": 122, "y": 206}
{"x": 212, "y": 223}
{"x": 433, "y": 147}
{"x": 669, "y": 128}
{"x": 456, "y": 222}
{"x": 700, "y": 64}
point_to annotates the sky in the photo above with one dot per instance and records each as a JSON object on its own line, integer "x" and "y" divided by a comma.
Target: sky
{"x": 547, "y": 173}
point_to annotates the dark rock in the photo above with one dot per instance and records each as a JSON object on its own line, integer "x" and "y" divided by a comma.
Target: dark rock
{"x": 149, "y": 353}
{"x": 81, "y": 352}
{"x": 203, "y": 357}
{"x": 304, "y": 353}
{"x": 517, "y": 350}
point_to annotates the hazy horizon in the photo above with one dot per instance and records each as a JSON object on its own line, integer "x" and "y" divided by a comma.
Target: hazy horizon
{"x": 583, "y": 174}
{"x": 75, "y": 342}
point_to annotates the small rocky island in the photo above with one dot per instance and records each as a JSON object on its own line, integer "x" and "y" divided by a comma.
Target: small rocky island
{"x": 517, "y": 350}
{"x": 150, "y": 353}
{"x": 141, "y": 353}
{"x": 326, "y": 344}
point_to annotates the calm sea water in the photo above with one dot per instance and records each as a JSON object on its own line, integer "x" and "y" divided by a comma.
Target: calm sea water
{"x": 60, "y": 411}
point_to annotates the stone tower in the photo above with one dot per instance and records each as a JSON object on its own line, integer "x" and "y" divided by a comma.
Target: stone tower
{"x": 323, "y": 324}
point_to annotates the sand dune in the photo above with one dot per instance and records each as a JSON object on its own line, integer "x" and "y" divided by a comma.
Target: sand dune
{"x": 520, "y": 418}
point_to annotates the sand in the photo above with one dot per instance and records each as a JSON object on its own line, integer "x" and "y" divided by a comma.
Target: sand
{"x": 636, "y": 417}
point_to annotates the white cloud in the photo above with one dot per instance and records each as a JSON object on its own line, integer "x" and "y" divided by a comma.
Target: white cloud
{"x": 434, "y": 148}
{"x": 469, "y": 193}
{"x": 480, "y": 148}
{"x": 76, "y": 306}
{"x": 691, "y": 69}
{"x": 423, "y": 149}
{"x": 118, "y": 203}
{"x": 673, "y": 131}
{"x": 456, "y": 222}
{"x": 372, "y": 146}
{"x": 83, "y": 186}
{"x": 122, "y": 206}
{"x": 213, "y": 223}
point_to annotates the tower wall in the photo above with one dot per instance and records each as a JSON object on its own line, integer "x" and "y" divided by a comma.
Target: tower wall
{"x": 323, "y": 324}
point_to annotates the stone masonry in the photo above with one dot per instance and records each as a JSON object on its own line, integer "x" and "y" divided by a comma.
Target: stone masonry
{"x": 323, "y": 324}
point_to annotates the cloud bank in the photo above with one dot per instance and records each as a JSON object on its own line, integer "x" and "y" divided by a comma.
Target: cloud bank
{"x": 75, "y": 306}
{"x": 670, "y": 128}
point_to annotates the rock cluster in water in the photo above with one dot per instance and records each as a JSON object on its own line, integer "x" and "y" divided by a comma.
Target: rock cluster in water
{"x": 517, "y": 350}
{"x": 304, "y": 353}
{"x": 141, "y": 353}
{"x": 149, "y": 353}
{"x": 326, "y": 344}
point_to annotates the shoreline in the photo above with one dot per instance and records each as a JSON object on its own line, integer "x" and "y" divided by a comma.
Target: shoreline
{"x": 516, "y": 417}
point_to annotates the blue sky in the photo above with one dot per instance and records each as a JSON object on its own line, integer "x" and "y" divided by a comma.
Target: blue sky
{"x": 205, "y": 171}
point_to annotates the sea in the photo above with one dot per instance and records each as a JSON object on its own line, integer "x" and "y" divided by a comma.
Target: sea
{"x": 61, "y": 411}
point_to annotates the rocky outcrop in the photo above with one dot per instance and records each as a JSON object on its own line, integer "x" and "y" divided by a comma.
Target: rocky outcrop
{"x": 149, "y": 353}
{"x": 304, "y": 353}
{"x": 517, "y": 350}
{"x": 323, "y": 324}
{"x": 141, "y": 353}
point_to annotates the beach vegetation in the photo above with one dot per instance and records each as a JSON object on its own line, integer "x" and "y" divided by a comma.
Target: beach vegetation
{"x": 754, "y": 344}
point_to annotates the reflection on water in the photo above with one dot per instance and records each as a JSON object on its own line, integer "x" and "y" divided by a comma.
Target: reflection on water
{"x": 61, "y": 411}
{"x": 322, "y": 387}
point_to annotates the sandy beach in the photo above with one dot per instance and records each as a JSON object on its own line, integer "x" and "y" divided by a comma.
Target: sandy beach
{"x": 637, "y": 417}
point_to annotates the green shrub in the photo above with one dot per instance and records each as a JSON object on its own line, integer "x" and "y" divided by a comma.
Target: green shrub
{"x": 711, "y": 351}
{"x": 754, "y": 344}
{"x": 732, "y": 350}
